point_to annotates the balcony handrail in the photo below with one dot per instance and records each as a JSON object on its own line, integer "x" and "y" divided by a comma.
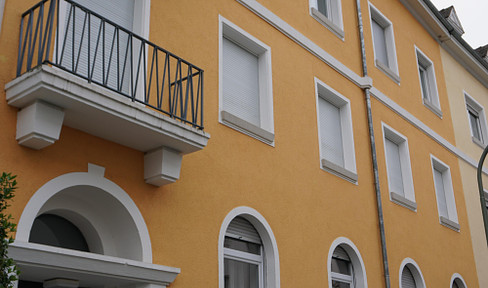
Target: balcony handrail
{"x": 100, "y": 51}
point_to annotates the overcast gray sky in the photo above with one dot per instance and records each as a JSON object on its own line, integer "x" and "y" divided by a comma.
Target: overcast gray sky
{"x": 473, "y": 15}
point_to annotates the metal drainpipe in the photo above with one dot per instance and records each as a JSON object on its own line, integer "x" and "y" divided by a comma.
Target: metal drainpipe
{"x": 373, "y": 150}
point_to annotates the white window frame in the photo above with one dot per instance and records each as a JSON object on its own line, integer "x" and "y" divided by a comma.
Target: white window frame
{"x": 249, "y": 258}
{"x": 347, "y": 172}
{"x": 476, "y": 108}
{"x": 416, "y": 272}
{"x": 271, "y": 262}
{"x": 333, "y": 19}
{"x": 431, "y": 100}
{"x": 265, "y": 132}
{"x": 390, "y": 68}
{"x": 358, "y": 269}
{"x": 451, "y": 219}
{"x": 408, "y": 199}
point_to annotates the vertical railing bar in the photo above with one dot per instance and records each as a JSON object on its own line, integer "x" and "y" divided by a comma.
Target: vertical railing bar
{"x": 48, "y": 35}
{"x": 81, "y": 41}
{"x": 148, "y": 92}
{"x": 201, "y": 100}
{"x": 32, "y": 43}
{"x": 124, "y": 66}
{"x": 161, "y": 98}
{"x": 40, "y": 22}
{"x": 57, "y": 32}
{"x": 110, "y": 58}
{"x": 180, "y": 87}
{"x": 185, "y": 110}
{"x": 66, "y": 35}
{"x": 191, "y": 96}
{"x": 198, "y": 99}
{"x": 170, "y": 104}
{"x": 118, "y": 57}
{"x": 144, "y": 64}
{"x": 175, "y": 90}
{"x": 96, "y": 51}
{"x": 102, "y": 27}
{"x": 89, "y": 41}
{"x": 73, "y": 42}
{"x": 131, "y": 87}
{"x": 29, "y": 46}
{"x": 20, "y": 56}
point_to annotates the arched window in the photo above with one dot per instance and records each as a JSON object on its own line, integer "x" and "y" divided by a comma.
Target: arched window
{"x": 248, "y": 254}
{"x": 457, "y": 281}
{"x": 345, "y": 265}
{"x": 341, "y": 269}
{"x": 53, "y": 230}
{"x": 410, "y": 275}
{"x": 243, "y": 255}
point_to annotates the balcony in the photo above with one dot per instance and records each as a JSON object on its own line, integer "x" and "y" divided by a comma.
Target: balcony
{"x": 78, "y": 69}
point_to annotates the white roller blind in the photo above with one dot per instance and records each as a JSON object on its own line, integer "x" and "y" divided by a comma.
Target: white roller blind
{"x": 330, "y": 132}
{"x": 242, "y": 229}
{"x": 120, "y": 12}
{"x": 241, "y": 82}
{"x": 407, "y": 279}
{"x": 394, "y": 167}
{"x": 440, "y": 192}
{"x": 474, "y": 120}
{"x": 379, "y": 39}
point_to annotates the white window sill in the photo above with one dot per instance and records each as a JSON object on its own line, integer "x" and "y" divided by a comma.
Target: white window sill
{"x": 449, "y": 223}
{"x": 478, "y": 142}
{"x": 340, "y": 171}
{"x": 322, "y": 19}
{"x": 390, "y": 73}
{"x": 433, "y": 107}
{"x": 247, "y": 128}
{"x": 401, "y": 200}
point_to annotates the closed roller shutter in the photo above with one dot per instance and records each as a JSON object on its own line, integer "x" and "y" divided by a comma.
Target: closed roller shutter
{"x": 407, "y": 279}
{"x": 242, "y": 229}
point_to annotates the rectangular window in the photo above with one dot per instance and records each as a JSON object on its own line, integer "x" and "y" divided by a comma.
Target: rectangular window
{"x": 329, "y": 14}
{"x": 428, "y": 86}
{"x": 477, "y": 120}
{"x": 245, "y": 83}
{"x": 398, "y": 168}
{"x": 335, "y": 132}
{"x": 444, "y": 192}
{"x": 384, "y": 44}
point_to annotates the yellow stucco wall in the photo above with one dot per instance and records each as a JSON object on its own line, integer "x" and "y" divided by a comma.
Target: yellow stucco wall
{"x": 306, "y": 207}
{"x": 460, "y": 82}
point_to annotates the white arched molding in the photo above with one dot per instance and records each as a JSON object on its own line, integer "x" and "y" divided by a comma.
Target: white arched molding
{"x": 271, "y": 258}
{"x": 459, "y": 280}
{"x": 415, "y": 269}
{"x": 85, "y": 198}
{"x": 358, "y": 268}
{"x": 116, "y": 233}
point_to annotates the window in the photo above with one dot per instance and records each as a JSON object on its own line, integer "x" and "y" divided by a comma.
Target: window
{"x": 428, "y": 86}
{"x": 410, "y": 275}
{"x": 457, "y": 281}
{"x": 329, "y": 14}
{"x": 345, "y": 265}
{"x": 398, "y": 168}
{"x": 248, "y": 254}
{"x": 245, "y": 83}
{"x": 243, "y": 255}
{"x": 384, "y": 44}
{"x": 444, "y": 193}
{"x": 477, "y": 120}
{"x": 335, "y": 132}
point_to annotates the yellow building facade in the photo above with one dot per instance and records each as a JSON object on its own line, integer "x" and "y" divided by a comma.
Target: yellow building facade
{"x": 305, "y": 143}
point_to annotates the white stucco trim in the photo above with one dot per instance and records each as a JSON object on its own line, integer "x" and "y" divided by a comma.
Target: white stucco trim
{"x": 415, "y": 269}
{"x": 457, "y": 276}
{"x": 271, "y": 257}
{"x": 385, "y": 100}
{"x": 93, "y": 178}
{"x": 359, "y": 270}
{"x": 305, "y": 42}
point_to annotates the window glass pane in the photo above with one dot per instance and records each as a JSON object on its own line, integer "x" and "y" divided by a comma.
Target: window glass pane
{"x": 424, "y": 83}
{"x": 341, "y": 266}
{"x": 440, "y": 193}
{"x": 331, "y": 132}
{"x": 240, "y": 82}
{"x": 475, "y": 124}
{"x": 394, "y": 168}
{"x": 239, "y": 274}
{"x": 379, "y": 40}
{"x": 323, "y": 7}
{"x": 242, "y": 246}
{"x": 337, "y": 284}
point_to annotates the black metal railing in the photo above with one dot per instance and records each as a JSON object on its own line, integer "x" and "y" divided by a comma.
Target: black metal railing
{"x": 68, "y": 36}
